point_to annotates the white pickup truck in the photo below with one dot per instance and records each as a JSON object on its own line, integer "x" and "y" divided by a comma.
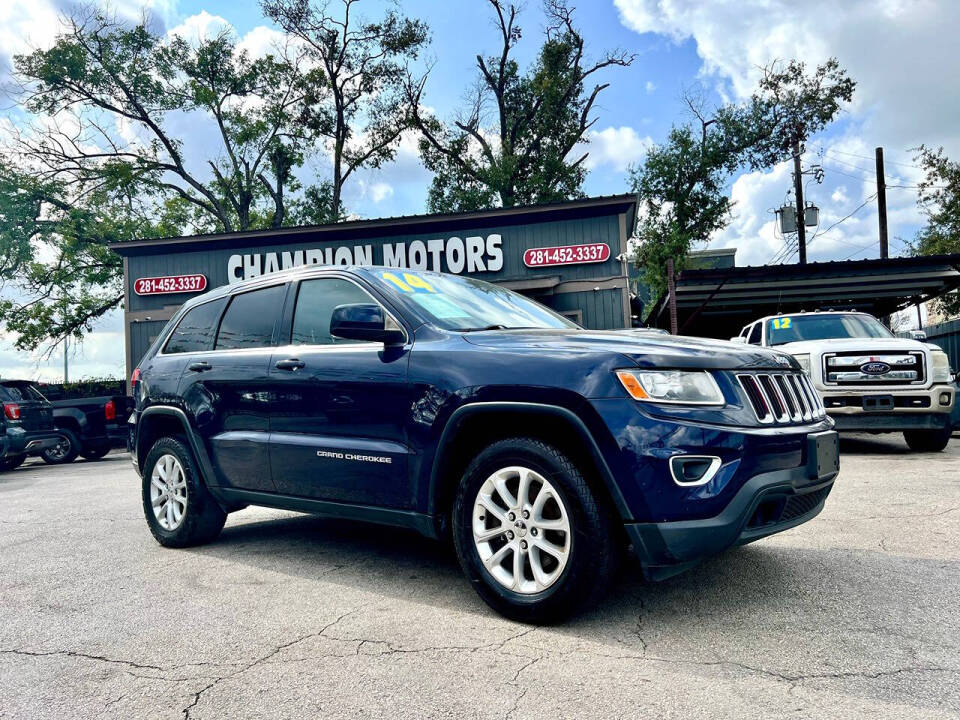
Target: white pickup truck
{"x": 869, "y": 379}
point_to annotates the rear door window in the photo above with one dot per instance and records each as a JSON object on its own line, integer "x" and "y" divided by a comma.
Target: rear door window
{"x": 316, "y": 300}
{"x": 21, "y": 392}
{"x": 250, "y": 319}
{"x": 196, "y": 329}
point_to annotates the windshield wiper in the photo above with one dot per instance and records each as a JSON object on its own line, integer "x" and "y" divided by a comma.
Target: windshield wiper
{"x": 495, "y": 326}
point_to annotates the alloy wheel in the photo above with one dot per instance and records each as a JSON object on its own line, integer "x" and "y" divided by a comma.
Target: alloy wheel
{"x": 521, "y": 530}
{"x": 60, "y": 450}
{"x": 168, "y": 492}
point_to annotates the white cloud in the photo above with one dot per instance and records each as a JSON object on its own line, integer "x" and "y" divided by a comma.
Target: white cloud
{"x": 379, "y": 191}
{"x": 618, "y": 147}
{"x": 650, "y": 87}
{"x": 201, "y": 26}
{"x": 262, "y": 41}
{"x": 902, "y": 53}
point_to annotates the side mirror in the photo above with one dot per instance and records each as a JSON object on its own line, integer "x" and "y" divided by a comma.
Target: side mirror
{"x": 739, "y": 339}
{"x": 367, "y": 322}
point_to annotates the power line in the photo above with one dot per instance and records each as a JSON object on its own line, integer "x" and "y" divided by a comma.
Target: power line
{"x": 866, "y": 157}
{"x": 852, "y": 213}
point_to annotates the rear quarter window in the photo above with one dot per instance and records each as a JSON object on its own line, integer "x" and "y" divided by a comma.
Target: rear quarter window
{"x": 196, "y": 329}
{"x": 21, "y": 392}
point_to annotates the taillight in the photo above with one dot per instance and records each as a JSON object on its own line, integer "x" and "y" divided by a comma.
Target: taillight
{"x": 110, "y": 410}
{"x": 134, "y": 384}
{"x": 11, "y": 411}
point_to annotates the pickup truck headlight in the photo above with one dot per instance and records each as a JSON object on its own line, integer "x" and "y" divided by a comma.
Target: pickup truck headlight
{"x": 804, "y": 361}
{"x": 681, "y": 387}
{"x": 941, "y": 366}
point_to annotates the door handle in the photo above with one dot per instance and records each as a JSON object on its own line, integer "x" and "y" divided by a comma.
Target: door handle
{"x": 290, "y": 364}
{"x": 199, "y": 366}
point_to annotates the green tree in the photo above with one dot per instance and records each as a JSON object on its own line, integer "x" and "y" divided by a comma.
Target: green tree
{"x": 79, "y": 278}
{"x": 939, "y": 200}
{"x": 362, "y": 110}
{"x": 101, "y": 160}
{"x": 683, "y": 184}
{"x": 514, "y": 145}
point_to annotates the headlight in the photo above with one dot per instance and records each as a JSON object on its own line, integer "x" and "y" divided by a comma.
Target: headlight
{"x": 941, "y": 366}
{"x": 686, "y": 387}
{"x": 804, "y": 361}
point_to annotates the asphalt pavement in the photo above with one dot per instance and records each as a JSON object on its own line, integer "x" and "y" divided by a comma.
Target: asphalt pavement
{"x": 855, "y": 614}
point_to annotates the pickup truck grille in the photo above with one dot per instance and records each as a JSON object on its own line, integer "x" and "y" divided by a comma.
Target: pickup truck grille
{"x": 782, "y": 397}
{"x": 860, "y": 369}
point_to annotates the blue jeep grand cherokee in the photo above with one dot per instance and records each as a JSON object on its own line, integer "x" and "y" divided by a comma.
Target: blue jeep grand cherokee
{"x": 458, "y": 408}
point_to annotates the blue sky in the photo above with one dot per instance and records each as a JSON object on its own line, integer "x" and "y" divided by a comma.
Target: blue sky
{"x": 901, "y": 52}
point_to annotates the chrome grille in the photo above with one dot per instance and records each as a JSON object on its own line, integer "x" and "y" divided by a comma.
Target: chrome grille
{"x": 782, "y": 397}
{"x": 847, "y": 368}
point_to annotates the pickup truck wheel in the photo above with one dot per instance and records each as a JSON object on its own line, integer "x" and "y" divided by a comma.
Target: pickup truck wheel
{"x": 529, "y": 533}
{"x": 179, "y": 509}
{"x": 928, "y": 440}
{"x": 11, "y": 462}
{"x": 65, "y": 451}
{"x": 95, "y": 452}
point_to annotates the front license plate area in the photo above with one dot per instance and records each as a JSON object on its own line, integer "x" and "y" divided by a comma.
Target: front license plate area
{"x": 874, "y": 403}
{"x": 823, "y": 454}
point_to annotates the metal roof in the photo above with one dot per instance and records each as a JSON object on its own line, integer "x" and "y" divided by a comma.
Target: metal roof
{"x": 719, "y": 302}
{"x": 378, "y": 227}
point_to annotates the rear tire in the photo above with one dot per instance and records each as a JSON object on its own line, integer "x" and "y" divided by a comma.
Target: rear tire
{"x": 928, "y": 440}
{"x": 65, "y": 451}
{"x": 540, "y": 589}
{"x": 189, "y": 515}
{"x": 95, "y": 452}
{"x": 12, "y": 462}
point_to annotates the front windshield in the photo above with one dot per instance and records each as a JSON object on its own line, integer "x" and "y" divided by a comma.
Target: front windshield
{"x": 794, "y": 328}
{"x": 465, "y": 304}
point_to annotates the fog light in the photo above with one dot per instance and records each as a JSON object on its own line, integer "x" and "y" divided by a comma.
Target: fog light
{"x": 693, "y": 470}
{"x": 944, "y": 398}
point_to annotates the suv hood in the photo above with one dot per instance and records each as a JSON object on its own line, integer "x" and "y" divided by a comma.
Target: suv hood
{"x": 842, "y": 344}
{"x": 660, "y": 351}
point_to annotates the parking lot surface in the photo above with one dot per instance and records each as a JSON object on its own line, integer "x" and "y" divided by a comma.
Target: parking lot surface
{"x": 854, "y": 614}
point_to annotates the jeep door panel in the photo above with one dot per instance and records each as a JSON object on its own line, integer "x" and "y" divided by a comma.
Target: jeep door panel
{"x": 338, "y": 408}
{"x": 225, "y": 390}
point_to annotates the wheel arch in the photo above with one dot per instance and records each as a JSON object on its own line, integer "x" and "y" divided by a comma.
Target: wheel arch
{"x": 474, "y": 426}
{"x": 159, "y": 421}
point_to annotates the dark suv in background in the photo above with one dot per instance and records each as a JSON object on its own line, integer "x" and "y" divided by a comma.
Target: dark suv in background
{"x": 27, "y": 423}
{"x": 458, "y": 408}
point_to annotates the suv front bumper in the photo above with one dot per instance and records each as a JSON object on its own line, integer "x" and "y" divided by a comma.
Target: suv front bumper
{"x": 766, "y": 504}
{"x": 890, "y": 410}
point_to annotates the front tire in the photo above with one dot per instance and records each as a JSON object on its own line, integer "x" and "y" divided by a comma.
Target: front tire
{"x": 12, "y": 462}
{"x": 928, "y": 440}
{"x": 65, "y": 451}
{"x": 179, "y": 509}
{"x": 530, "y": 534}
{"x": 95, "y": 452}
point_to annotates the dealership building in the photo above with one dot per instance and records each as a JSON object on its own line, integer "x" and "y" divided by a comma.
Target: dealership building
{"x": 571, "y": 256}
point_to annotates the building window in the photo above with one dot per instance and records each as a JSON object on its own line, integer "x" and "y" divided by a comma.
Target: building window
{"x": 575, "y": 315}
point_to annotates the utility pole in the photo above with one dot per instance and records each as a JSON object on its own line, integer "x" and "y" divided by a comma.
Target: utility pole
{"x": 798, "y": 191}
{"x": 882, "y": 205}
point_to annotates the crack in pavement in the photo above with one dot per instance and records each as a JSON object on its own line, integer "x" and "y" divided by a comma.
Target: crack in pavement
{"x": 278, "y": 649}
{"x": 85, "y": 656}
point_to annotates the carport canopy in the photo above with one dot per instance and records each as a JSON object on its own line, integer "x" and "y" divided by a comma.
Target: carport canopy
{"x": 720, "y": 302}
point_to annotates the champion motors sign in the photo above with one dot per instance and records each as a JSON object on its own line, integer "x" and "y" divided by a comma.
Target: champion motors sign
{"x": 453, "y": 255}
